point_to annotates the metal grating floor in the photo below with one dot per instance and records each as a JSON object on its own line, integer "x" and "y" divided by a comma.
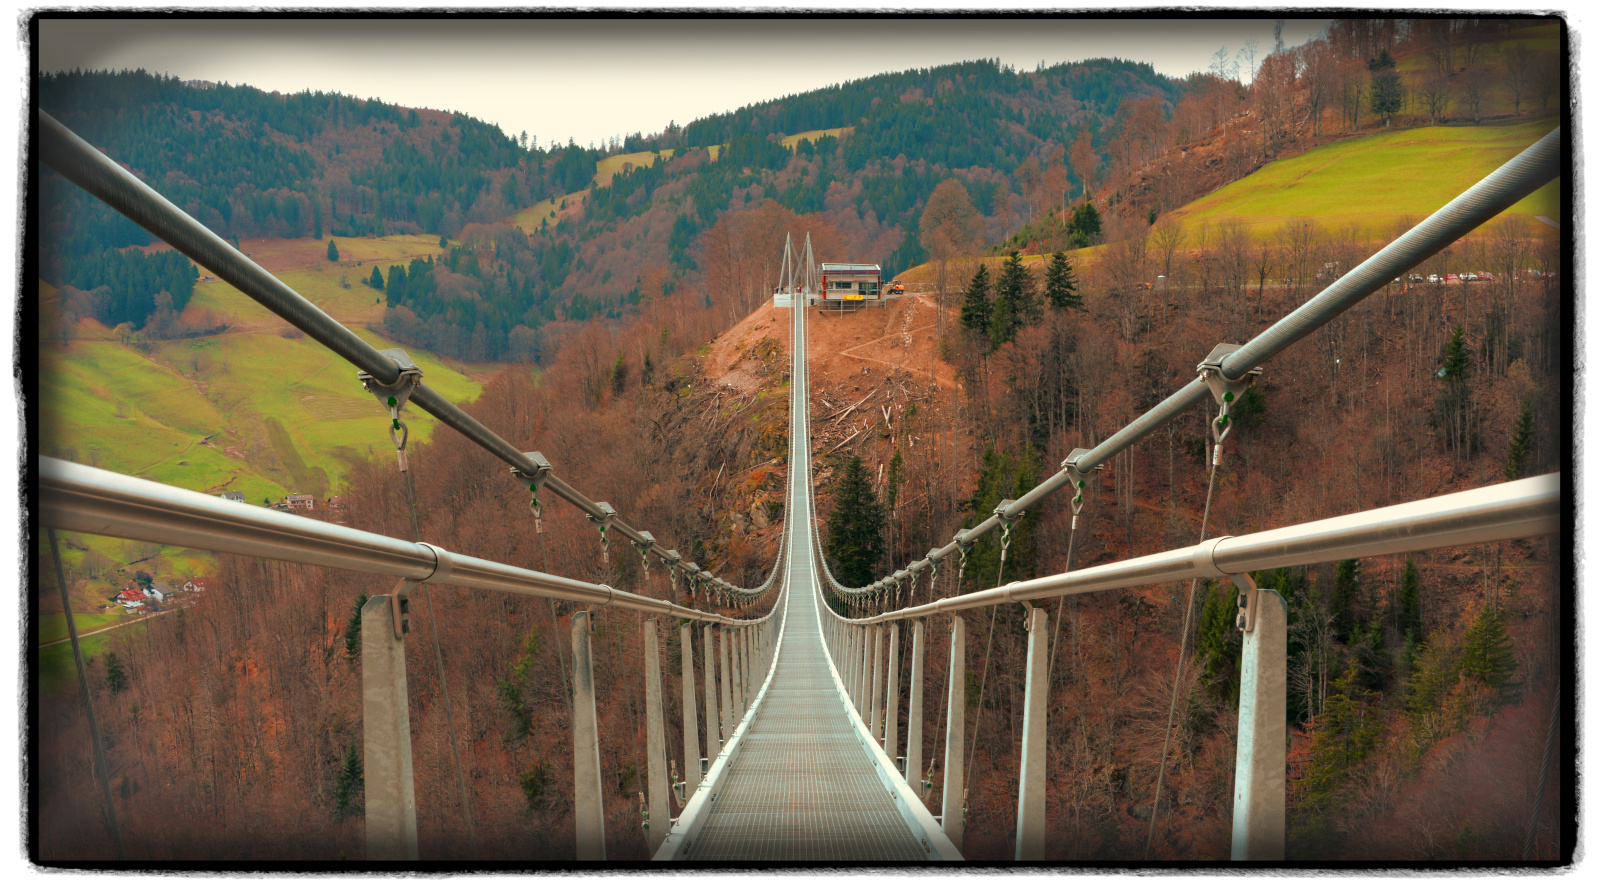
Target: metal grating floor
{"x": 802, "y": 788}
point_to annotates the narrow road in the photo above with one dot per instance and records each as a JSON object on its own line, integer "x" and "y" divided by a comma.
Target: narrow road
{"x": 83, "y": 635}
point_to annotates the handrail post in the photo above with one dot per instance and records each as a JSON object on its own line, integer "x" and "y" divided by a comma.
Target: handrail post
{"x": 913, "y": 769}
{"x": 736, "y": 673}
{"x": 391, "y": 799}
{"x": 866, "y": 670}
{"x": 727, "y": 685}
{"x": 1035, "y": 706}
{"x": 891, "y": 712}
{"x": 588, "y": 806}
{"x": 749, "y": 673}
{"x": 656, "y": 742}
{"x": 691, "y": 736}
{"x": 1259, "y": 766}
{"x": 955, "y": 734}
{"x": 875, "y": 722}
{"x": 708, "y": 644}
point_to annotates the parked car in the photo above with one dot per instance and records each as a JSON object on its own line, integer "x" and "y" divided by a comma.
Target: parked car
{"x": 1416, "y": 277}
{"x": 1485, "y": 276}
{"x": 1469, "y": 277}
{"x": 1434, "y": 277}
{"x": 1451, "y": 277}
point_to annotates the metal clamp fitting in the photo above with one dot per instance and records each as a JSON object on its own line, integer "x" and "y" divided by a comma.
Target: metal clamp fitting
{"x": 1079, "y": 479}
{"x": 394, "y": 396}
{"x": 1248, "y": 593}
{"x": 1205, "y": 558}
{"x": 1223, "y": 390}
{"x": 400, "y": 607}
{"x": 443, "y": 565}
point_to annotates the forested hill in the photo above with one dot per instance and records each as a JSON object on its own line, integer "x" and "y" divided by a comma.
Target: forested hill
{"x": 249, "y": 163}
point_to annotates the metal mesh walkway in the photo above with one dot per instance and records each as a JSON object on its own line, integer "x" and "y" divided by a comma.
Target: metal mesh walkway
{"x": 802, "y": 788}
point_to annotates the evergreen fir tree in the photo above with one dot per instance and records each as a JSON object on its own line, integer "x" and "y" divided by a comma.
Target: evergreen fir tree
{"x": 1084, "y": 226}
{"x": 352, "y": 630}
{"x": 333, "y": 251}
{"x": 1453, "y": 405}
{"x": 116, "y": 677}
{"x": 349, "y": 787}
{"x": 1342, "y": 604}
{"x": 1341, "y": 738}
{"x": 1411, "y": 603}
{"x": 1487, "y": 654}
{"x": 1061, "y": 285}
{"x": 377, "y": 279}
{"x": 316, "y": 216}
{"x": 1014, "y": 304}
{"x": 1517, "y": 460}
{"x": 1387, "y": 94}
{"x": 855, "y": 529}
{"x": 976, "y": 311}
{"x": 619, "y": 375}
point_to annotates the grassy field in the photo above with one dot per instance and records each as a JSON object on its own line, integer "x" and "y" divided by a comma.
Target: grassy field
{"x": 257, "y": 409}
{"x": 790, "y": 141}
{"x": 57, "y": 673}
{"x": 550, "y": 210}
{"x": 53, "y": 627}
{"x": 1491, "y": 62}
{"x": 611, "y": 166}
{"x": 1372, "y": 181}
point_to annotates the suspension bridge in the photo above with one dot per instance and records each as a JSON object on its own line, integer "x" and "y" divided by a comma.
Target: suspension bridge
{"x": 791, "y": 747}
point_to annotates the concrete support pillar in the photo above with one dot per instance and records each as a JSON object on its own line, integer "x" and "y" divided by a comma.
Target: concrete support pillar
{"x": 875, "y": 704}
{"x": 691, "y": 736}
{"x": 656, "y": 743}
{"x": 1036, "y": 702}
{"x": 891, "y": 708}
{"x": 708, "y": 642}
{"x": 391, "y": 814}
{"x": 727, "y": 685}
{"x": 955, "y": 742}
{"x": 737, "y": 709}
{"x": 588, "y": 806}
{"x": 1259, "y": 771}
{"x": 914, "y": 713}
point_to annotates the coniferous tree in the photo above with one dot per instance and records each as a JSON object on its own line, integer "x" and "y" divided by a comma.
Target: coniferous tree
{"x": 1341, "y": 738}
{"x": 1410, "y": 603}
{"x": 1387, "y": 94}
{"x": 349, "y": 787}
{"x": 116, "y": 676}
{"x": 1346, "y": 586}
{"x": 316, "y": 216}
{"x": 1521, "y": 442}
{"x": 1061, "y": 285}
{"x": 1014, "y": 304}
{"x": 1453, "y": 411}
{"x": 1084, "y": 226}
{"x": 377, "y": 279}
{"x": 352, "y": 630}
{"x": 1487, "y": 655}
{"x": 855, "y": 529}
{"x": 976, "y": 311}
{"x": 333, "y": 251}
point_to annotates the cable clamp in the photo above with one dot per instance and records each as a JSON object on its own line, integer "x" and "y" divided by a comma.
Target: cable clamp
{"x": 1224, "y": 391}
{"x": 1079, "y": 479}
{"x": 644, "y": 543}
{"x": 395, "y": 396}
{"x": 608, "y": 513}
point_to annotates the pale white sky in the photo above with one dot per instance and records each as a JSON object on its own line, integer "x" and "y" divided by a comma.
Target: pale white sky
{"x": 591, "y": 79}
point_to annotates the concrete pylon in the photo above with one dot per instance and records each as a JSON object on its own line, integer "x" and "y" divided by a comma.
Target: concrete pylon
{"x": 391, "y": 799}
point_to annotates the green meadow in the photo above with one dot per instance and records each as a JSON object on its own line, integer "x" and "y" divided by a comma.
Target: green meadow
{"x": 1372, "y": 181}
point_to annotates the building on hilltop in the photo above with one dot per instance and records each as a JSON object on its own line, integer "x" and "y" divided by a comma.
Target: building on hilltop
{"x": 235, "y": 496}
{"x": 301, "y": 502}
{"x": 851, "y": 285}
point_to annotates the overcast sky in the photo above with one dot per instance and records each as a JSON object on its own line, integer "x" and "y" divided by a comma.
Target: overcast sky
{"x": 591, "y": 79}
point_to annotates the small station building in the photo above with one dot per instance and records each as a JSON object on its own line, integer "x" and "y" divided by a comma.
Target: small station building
{"x": 851, "y": 284}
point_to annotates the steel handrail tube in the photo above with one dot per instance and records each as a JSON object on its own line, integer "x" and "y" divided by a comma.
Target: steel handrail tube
{"x": 1508, "y": 511}
{"x": 75, "y": 497}
{"x": 84, "y": 165}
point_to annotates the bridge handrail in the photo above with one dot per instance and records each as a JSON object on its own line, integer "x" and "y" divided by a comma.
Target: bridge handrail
{"x": 1506, "y": 511}
{"x": 1499, "y": 190}
{"x": 76, "y": 497}
{"x": 81, "y": 163}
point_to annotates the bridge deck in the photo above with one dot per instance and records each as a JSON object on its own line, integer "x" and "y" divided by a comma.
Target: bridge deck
{"x": 801, "y": 788}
